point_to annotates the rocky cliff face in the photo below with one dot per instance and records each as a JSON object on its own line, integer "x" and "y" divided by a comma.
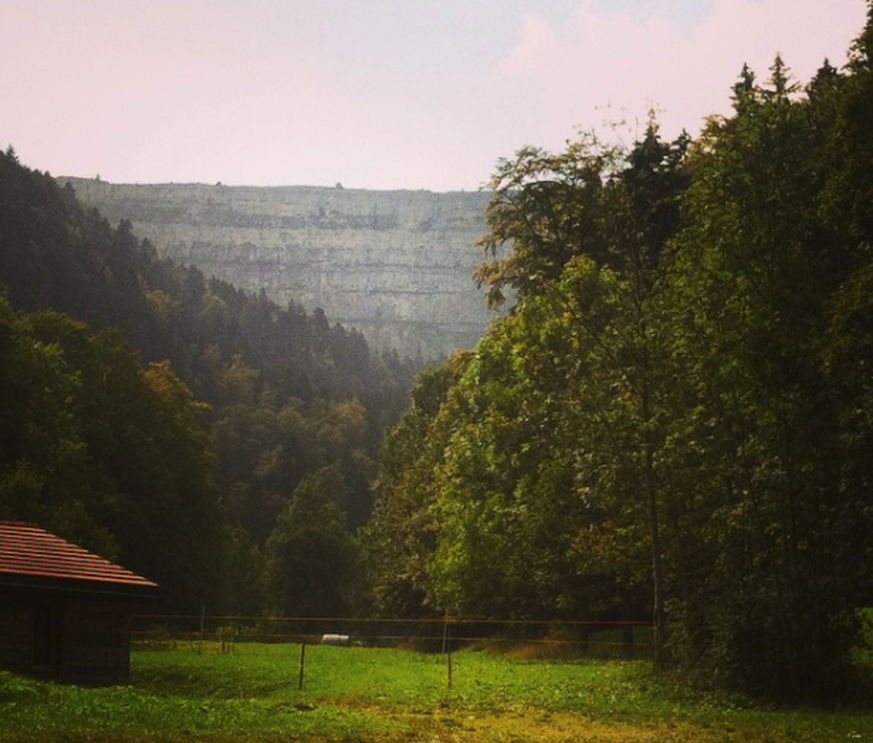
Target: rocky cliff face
{"x": 397, "y": 265}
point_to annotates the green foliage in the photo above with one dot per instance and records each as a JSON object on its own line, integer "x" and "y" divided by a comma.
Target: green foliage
{"x": 757, "y": 429}
{"x": 399, "y": 538}
{"x": 522, "y": 468}
{"x": 548, "y": 207}
{"x": 680, "y": 396}
{"x": 109, "y": 454}
{"x": 120, "y": 459}
{"x": 513, "y": 507}
{"x": 311, "y": 559}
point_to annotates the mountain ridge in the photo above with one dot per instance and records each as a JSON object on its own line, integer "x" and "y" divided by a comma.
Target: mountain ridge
{"x": 397, "y": 265}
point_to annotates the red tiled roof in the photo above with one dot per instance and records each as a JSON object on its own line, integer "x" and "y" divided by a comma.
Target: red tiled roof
{"x": 28, "y": 552}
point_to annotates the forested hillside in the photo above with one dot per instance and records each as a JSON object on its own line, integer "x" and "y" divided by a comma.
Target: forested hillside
{"x": 167, "y": 419}
{"x": 676, "y": 420}
{"x": 673, "y": 423}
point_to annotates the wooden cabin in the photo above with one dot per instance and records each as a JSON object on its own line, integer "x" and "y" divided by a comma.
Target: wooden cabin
{"x": 65, "y": 612}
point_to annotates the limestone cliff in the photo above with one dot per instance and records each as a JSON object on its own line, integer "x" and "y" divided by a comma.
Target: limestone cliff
{"x": 397, "y": 265}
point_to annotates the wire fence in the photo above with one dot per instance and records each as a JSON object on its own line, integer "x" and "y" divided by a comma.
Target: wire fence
{"x": 546, "y": 639}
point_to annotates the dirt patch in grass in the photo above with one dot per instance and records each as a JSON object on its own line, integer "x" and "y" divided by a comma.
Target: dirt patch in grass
{"x": 532, "y": 726}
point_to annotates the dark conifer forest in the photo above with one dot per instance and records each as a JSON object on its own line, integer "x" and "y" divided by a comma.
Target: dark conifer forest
{"x": 673, "y": 423}
{"x": 168, "y": 420}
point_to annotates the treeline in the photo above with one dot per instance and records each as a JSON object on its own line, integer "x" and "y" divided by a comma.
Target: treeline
{"x": 676, "y": 419}
{"x": 172, "y": 421}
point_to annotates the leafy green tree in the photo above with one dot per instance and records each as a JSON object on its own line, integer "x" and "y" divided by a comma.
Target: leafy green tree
{"x": 147, "y": 443}
{"x": 543, "y": 435}
{"x": 243, "y": 592}
{"x": 754, "y": 428}
{"x": 845, "y": 99}
{"x": 514, "y": 516}
{"x": 109, "y": 454}
{"x": 312, "y": 559}
{"x": 547, "y": 208}
{"x": 46, "y": 472}
{"x": 400, "y": 537}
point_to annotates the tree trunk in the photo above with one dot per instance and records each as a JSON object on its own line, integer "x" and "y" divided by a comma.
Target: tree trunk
{"x": 659, "y": 630}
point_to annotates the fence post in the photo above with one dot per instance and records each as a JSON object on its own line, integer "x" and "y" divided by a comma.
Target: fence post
{"x": 449, "y": 657}
{"x": 447, "y": 650}
{"x": 302, "y": 664}
{"x": 202, "y": 628}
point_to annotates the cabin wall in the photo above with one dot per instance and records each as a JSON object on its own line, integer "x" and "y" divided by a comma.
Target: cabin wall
{"x": 16, "y": 631}
{"x": 97, "y": 641}
{"x": 78, "y": 638}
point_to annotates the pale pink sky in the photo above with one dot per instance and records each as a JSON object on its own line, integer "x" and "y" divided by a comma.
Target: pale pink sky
{"x": 373, "y": 93}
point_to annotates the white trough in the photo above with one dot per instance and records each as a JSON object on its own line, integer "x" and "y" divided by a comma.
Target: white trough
{"x": 331, "y": 639}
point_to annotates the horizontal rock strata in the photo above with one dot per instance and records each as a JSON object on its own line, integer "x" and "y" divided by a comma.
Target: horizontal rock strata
{"x": 397, "y": 265}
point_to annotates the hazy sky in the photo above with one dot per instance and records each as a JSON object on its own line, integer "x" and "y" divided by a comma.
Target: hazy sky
{"x": 373, "y": 93}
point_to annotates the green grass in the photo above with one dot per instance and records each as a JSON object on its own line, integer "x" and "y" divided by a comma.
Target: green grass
{"x": 387, "y": 696}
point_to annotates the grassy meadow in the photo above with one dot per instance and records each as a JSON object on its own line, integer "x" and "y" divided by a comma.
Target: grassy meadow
{"x": 194, "y": 692}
